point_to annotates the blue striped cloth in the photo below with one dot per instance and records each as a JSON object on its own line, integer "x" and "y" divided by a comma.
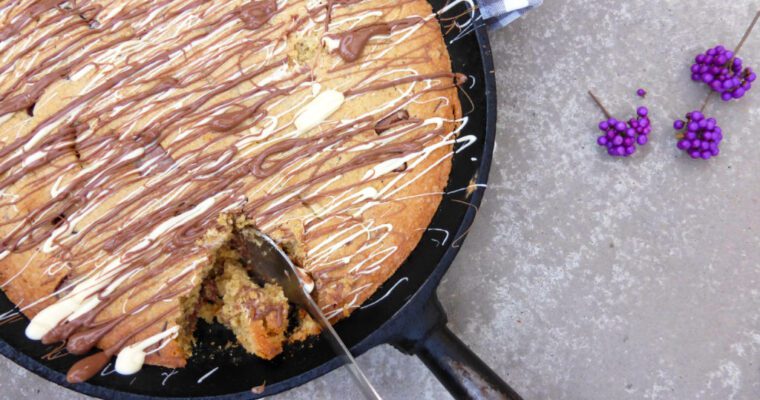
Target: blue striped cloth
{"x": 500, "y": 13}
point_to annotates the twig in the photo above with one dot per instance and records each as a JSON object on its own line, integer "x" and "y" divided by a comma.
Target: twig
{"x": 707, "y": 100}
{"x": 600, "y": 105}
{"x": 747, "y": 33}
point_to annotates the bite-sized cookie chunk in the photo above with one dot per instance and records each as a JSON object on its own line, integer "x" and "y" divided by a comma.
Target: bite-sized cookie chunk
{"x": 257, "y": 315}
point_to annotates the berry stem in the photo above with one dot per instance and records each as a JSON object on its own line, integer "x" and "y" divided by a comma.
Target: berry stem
{"x": 599, "y": 104}
{"x": 706, "y": 101}
{"x": 747, "y": 33}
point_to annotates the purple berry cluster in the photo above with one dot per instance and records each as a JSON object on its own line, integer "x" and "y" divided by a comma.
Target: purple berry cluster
{"x": 723, "y": 72}
{"x": 699, "y": 136}
{"x": 621, "y": 138}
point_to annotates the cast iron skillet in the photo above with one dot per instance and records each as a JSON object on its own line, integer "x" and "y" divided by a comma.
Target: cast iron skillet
{"x": 405, "y": 312}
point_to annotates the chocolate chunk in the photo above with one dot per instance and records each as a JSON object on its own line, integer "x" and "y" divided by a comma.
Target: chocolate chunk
{"x": 257, "y": 13}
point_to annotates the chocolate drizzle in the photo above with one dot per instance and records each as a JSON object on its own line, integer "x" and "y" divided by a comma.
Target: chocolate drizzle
{"x": 84, "y": 369}
{"x": 83, "y": 341}
{"x": 31, "y": 13}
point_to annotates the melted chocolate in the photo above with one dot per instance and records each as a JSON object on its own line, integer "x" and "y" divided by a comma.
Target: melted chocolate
{"x": 84, "y": 341}
{"x": 391, "y": 121}
{"x": 353, "y": 42}
{"x": 257, "y": 13}
{"x": 87, "y": 367}
{"x": 402, "y": 168}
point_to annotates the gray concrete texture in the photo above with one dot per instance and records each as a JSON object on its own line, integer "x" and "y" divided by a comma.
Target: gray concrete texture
{"x": 587, "y": 277}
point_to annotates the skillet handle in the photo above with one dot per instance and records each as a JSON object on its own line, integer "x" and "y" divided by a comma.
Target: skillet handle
{"x": 460, "y": 370}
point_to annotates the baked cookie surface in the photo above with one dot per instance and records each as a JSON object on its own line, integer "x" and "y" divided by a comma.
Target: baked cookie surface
{"x": 135, "y": 135}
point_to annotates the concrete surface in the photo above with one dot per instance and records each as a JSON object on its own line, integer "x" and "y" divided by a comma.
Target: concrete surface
{"x": 587, "y": 277}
